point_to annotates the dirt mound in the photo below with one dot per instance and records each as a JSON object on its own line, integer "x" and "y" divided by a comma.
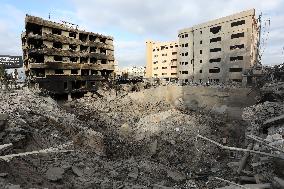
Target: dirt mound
{"x": 118, "y": 142}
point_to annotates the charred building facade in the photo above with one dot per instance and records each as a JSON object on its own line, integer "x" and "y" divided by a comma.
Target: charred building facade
{"x": 63, "y": 59}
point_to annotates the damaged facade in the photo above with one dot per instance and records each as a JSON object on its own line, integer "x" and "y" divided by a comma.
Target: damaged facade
{"x": 161, "y": 60}
{"x": 62, "y": 59}
{"x": 220, "y": 50}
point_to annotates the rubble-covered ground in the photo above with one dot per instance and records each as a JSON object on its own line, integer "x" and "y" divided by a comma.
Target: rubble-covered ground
{"x": 116, "y": 142}
{"x": 266, "y": 122}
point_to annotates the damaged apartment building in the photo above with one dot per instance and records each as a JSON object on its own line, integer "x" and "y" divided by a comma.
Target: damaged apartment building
{"x": 220, "y": 50}
{"x": 161, "y": 60}
{"x": 63, "y": 59}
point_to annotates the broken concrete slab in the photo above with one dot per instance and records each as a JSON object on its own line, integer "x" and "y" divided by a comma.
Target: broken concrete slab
{"x": 157, "y": 186}
{"x": 77, "y": 171}
{"x": 3, "y": 121}
{"x": 134, "y": 173}
{"x": 279, "y": 182}
{"x": 153, "y": 147}
{"x": 274, "y": 120}
{"x": 3, "y": 175}
{"x": 249, "y": 186}
{"x": 55, "y": 173}
{"x": 12, "y": 186}
{"x": 92, "y": 140}
{"x": 176, "y": 175}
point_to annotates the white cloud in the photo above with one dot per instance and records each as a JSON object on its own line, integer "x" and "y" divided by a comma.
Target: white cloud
{"x": 160, "y": 20}
{"x": 11, "y": 22}
{"x": 128, "y": 53}
{"x": 131, "y": 22}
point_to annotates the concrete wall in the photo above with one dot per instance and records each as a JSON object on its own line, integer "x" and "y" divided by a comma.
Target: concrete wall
{"x": 221, "y": 100}
{"x": 229, "y": 101}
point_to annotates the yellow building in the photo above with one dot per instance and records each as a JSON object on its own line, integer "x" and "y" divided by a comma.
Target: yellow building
{"x": 161, "y": 60}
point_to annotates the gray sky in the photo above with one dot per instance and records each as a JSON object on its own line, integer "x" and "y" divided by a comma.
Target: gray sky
{"x": 132, "y": 22}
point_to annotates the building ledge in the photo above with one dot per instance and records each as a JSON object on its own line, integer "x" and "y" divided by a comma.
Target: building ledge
{"x": 68, "y": 40}
{"x": 69, "y": 53}
{"x": 59, "y": 65}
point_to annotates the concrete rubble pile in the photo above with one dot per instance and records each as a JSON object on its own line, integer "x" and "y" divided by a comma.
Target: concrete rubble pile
{"x": 262, "y": 165}
{"x": 109, "y": 140}
{"x": 157, "y": 130}
{"x": 34, "y": 124}
{"x": 266, "y": 132}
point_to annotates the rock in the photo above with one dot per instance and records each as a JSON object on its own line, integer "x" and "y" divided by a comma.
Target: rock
{"x": 134, "y": 173}
{"x": 190, "y": 184}
{"x": 215, "y": 169}
{"x": 278, "y": 182}
{"x": 13, "y": 186}
{"x": 106, "y": 184}
{"x": 77, "y": 171}
{"x": 157, "y": 186}
{"x": 270, "y": 110}
{"x": 220, "y": 110}
{"x": 3, "y": 121}
{"x": 54, "y": 174}
{"x": 3, "y": 175}
{"x": 153, "y": 147}
{"x": 118, "y": 184}
{"x": 65, "y": 165}
{"x": 81, "y": 164}
{"x": 88, "y": 94}
{"x": 88, "y": 171}
{"x": 269, "y": 138}
{"x": 2, "y": 135}
{"x": 175, "y": 175}
{"x": 233, "y": 164}
{"x": 276, "y": 137}
{"x": 91, "y": 140}
{"x": 124, "y": 130}
{"x": 193, "y": 105}
{"x": 113, "y": 174}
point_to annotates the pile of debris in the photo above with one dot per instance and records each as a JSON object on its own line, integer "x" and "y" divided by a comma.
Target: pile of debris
{"x": 158, "y": 131}
{"x": 109, "y": 140}
{"x": 262, "y": 165}
{"x": 266, "y": 133}
{"x": 34, "y": 125}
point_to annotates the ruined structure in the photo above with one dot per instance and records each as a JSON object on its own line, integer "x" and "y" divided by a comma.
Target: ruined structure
{"x": 63, "y": 59}
{"x": 161, "y": 60}
{"x": 219, "y": 50}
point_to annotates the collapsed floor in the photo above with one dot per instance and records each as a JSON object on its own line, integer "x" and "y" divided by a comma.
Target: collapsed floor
{"x": 114, "y": 142}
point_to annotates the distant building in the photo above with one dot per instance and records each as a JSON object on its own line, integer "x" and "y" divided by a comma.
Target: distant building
{"x": 117, "y": 70}
{"x": 63, "y": 59}
{"x": 219, "y": 50}
{"x": 161, "y": 60}
{"x": 134, "y": 71}
{"x": 11, "y": 62}
{"x": 21, "y": 74}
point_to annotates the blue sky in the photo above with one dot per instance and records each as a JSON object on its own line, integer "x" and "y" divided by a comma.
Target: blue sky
{"x": 132, "y": 22}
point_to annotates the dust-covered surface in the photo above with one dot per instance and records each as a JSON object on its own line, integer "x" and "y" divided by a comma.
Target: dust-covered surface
{"x": 266, "y": 122}
{"x": 116, "y": 142}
